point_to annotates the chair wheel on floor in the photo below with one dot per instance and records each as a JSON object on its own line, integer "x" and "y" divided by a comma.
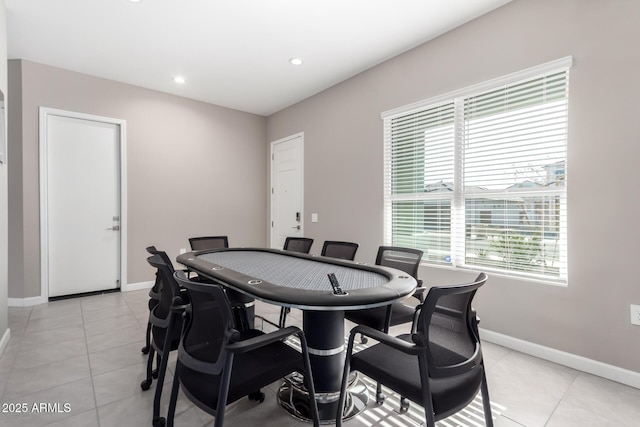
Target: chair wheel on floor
{"x": 404, "y": 405}
{"x": 257, "y": 396}
{"x": 154, "y": 374}
{"x": 363, "y": 339}
{"x": 159, "y": 422}
{"x": 144, "y": 385}
{"x": 380, "y": 398}
{"x": 145, "y": 349}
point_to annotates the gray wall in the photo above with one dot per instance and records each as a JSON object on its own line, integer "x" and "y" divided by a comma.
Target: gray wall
{"x": 3, "y": 178}
{"x": 192, "y": 168}
{"x": 343, "y": 162}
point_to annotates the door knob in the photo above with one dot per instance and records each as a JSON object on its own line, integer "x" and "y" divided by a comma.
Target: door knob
{"x": 297, "y": 227}
{"x": 114, "y": 228}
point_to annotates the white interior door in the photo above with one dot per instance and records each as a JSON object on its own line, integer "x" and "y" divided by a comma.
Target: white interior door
{"x": 83, "y": 209}
{"x": 287, "y": 217}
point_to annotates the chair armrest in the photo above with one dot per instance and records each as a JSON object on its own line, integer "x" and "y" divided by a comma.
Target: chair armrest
{"x": 178, "y": 305}
{"x": 262, "y": 340}
{"x": 414, "y": 322}
{"x": 386, "y": 339}
{"x": 158, "y": 321}
{"x": 419, "y": 292}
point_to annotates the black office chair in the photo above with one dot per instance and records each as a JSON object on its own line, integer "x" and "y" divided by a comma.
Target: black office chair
{"x": 154, "y": 298}
{"x": 298, "y": 244}
{"x": 382, "y": 318}
{"x": 217, "y": 364}
{"x": 166, "y": 326}
{"x": 440, "y": 366}
{"x": 342, "y": 250}
{"x": 208, "y": 242}
{"x": 242, "y": 304}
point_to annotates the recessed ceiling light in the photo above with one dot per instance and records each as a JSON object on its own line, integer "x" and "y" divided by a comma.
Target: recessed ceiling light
{"x": 295, "y": 61}
{"x": 135, "y": 1}
{"x": 179, "y": 79}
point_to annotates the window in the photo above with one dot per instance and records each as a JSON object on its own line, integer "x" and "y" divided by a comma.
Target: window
{"x": 478, "y": 178}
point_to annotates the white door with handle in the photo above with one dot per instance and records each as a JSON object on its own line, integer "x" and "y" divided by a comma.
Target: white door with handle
{"x": 82, "y": 212}
{"x": 287, "y": 160}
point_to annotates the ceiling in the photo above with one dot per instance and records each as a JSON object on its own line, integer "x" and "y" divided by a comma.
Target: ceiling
{"x": 233, "y": 53}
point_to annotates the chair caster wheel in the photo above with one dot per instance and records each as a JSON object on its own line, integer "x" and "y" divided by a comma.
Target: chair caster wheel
{"x": 404, "y": 405}
{"x": 363, "y": 339}
{"x": 144, "y": 385}
{"x": 257, "y": 396}
{"x": 145, "y": 350}
{"x": 380, "y": 397}
{"x": 154, "y": 374}
{"x": 159, "y": 422}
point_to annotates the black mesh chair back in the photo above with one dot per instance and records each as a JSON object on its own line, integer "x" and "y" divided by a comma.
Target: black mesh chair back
{"x": 219, "y": 364}
{"x": 448, "y": 326}
{"x": 154, "y": 293}
{"x": 381, "y": 318}
{"x": 154, "y": 297}
{"x": 166, "y": 325}
{"x": 157, "y": 286}
{"x": 243, "y": 305}
{"x": 440, "y": 366}
{"x": 298, "y": 244}
{"x": 405, "y": 259}
{"x": 208, "y": 242}
{"x": 208, "y": 318}
{"x": 341, "y": 250}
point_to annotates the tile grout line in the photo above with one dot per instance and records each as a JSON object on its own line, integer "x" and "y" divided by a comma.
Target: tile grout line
{"x": 93, "y": 386}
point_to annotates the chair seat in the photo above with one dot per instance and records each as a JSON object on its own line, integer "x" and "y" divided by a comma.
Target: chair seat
{"x": 401, "y": 373}
{"x": 374, "y": 317}
{"x": 251, "y": 371}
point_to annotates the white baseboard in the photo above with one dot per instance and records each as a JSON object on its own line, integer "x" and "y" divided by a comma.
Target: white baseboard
{"x": 25, "y": 302}
{"x": 137, "y": 286}
{"x": 4, "y": 342}
{"x": 610, "y": 372}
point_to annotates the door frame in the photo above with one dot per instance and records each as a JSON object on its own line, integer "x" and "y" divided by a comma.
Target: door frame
{"x": 271, "y": 183}
{"x": 44, "y": 114}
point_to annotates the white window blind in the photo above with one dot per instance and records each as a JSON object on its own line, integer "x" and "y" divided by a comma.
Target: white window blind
{"x": 479, "y": 179}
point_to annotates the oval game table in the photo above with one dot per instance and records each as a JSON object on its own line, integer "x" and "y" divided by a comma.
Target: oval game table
{"x": 295, "y": 280}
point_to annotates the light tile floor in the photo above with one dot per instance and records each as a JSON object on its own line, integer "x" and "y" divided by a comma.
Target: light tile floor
{"x": 84, "y": 355}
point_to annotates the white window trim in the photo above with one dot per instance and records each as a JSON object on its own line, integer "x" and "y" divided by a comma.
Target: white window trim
{"x": 457, "y": 214}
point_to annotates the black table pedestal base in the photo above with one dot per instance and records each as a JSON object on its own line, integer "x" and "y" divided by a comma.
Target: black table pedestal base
{"x": 294, "y": 398}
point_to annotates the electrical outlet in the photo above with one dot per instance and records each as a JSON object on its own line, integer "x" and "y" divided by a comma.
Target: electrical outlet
{"x": 635, "y": 314}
